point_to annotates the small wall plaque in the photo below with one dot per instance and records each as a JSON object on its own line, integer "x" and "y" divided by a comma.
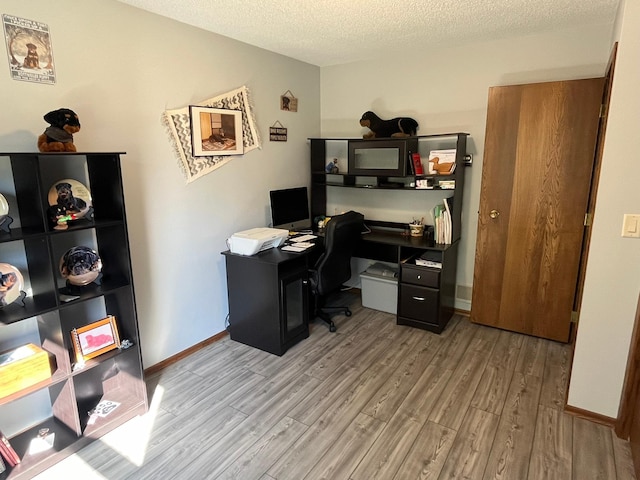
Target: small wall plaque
{"x": 277, "y": 133}
{"x": 288, "y": 102}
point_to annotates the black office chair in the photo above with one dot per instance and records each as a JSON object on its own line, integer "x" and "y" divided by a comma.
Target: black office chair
{"x": 333, "y": 268}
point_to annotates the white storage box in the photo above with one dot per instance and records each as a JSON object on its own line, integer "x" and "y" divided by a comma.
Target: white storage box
{"x": 379, "y": 292}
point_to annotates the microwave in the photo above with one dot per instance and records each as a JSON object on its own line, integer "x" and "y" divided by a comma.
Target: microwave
{"x": 381, "y": 158}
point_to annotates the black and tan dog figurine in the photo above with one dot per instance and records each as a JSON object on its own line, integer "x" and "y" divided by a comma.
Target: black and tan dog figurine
{"x": 396, "y": 127}
{"x": 59, "y": 136}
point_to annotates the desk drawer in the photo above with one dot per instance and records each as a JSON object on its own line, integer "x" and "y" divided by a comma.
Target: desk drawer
{"x": 418, "y": 303}
{"x": 424, "y": 276}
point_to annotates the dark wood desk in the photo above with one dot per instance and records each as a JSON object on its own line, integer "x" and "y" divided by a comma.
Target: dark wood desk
{"x": 269, "y": 304}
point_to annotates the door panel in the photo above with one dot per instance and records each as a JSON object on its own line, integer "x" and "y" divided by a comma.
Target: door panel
{"x": 537, "y": 167}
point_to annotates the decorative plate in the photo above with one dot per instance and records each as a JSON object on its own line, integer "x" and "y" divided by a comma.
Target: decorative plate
{"x": 4, "y": 207}
{"x": 80, "y": 265}
{"x": 71, "y": 196}
{"x": 11, "y": 284}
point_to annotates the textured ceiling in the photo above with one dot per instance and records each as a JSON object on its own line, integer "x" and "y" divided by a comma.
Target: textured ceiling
{"x": 329, "y": 32}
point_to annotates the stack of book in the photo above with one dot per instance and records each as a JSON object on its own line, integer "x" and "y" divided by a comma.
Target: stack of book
{"x": 442, "y": 221}
{"x": 7, "y": 452}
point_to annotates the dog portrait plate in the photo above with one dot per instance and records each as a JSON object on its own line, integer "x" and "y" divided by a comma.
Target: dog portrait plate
{"x": 71, "y": 196}
{"x": 4, "y": 207}
{"x": 80, "y": 265}
{"x": 11, "y": 284}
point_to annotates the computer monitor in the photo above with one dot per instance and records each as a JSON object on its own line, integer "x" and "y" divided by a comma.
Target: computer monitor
{"x": 290, "y": 208}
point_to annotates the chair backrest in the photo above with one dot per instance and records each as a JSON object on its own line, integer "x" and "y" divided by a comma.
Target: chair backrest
{"x": 333, "y": 268}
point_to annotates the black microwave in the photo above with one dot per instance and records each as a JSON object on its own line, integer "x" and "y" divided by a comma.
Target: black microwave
{"x": 381, "y": 158}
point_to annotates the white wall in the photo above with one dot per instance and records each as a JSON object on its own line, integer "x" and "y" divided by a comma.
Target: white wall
{"x": 446, "y": 91}
{"x": 613, "y": 280}
{"x": 119, "y": 68}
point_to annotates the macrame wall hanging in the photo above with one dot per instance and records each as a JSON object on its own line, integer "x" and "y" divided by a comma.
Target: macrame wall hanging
{"x": 179, "y": 128}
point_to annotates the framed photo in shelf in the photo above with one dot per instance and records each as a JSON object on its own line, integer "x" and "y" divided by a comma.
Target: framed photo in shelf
{"x": 216, "y": 131}
{"x": 95, "y": 339}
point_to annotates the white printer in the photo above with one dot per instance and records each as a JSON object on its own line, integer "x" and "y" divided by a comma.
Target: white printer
{"x": 250, "y": 242}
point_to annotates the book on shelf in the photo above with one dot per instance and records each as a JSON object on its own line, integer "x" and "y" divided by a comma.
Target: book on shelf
{"x": 442, "y": 221}
{"x": 446, "y": 159}
{"x": 8, "y": 453}
{"x": 417, "y": 164}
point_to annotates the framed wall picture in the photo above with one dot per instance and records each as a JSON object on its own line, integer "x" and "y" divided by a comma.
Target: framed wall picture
{"x": 215, "y": 131}
{"x": 95, "y": 339}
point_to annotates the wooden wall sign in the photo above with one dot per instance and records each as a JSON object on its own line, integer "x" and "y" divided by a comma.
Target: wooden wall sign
{"x": 288, "y": 102}
{"x": 277, "y": 133}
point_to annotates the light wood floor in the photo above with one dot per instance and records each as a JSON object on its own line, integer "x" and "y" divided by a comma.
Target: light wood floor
{"x": 372, "y": 401}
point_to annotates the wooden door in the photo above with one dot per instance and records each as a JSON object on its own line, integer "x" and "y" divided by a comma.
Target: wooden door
{"x": 538, "y": 158}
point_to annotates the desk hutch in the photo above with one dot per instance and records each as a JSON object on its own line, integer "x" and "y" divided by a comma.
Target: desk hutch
{"x": 425, "y": 295}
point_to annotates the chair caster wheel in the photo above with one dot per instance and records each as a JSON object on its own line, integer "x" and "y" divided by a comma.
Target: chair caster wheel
{"x": 332, "y": 328}
{"x": 348, "y": 313}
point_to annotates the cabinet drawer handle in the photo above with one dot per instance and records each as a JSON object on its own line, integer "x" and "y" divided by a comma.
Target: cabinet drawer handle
{"x": 419, "y": 276}
{"x": 420, "y": 299}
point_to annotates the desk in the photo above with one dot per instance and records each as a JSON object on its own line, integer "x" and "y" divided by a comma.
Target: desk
{"x": 269, "y": 298}
{"x": 269, "y": 292}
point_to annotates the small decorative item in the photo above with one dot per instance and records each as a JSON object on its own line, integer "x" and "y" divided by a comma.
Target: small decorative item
{"x": 59, "y": 136}
{"x": 95, "y": 339}
{"x": 215, "y": 131}
{"x": 11, "y": 284}
{"x": 396, "y": 127}
{"x": 80, "y": 265}
{"x": 288, "y": 102}
{"x": 69, "y": 200}
{"x": 332, "y": 167}
{"x": 277, "y": 132}
{"x": 29, "y": 49}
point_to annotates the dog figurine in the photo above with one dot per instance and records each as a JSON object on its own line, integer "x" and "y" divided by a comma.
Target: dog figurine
{"x": 59, "y": 136}
{"x": 396, "y": 127}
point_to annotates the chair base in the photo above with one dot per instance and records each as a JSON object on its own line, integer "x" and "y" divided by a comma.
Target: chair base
{"x": 324, "y": 314}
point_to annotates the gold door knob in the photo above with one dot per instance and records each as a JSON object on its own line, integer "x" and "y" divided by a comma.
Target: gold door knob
{"x": 494, "y": 213}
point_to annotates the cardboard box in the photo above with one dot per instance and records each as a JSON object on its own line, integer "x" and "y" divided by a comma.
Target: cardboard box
{"x": 22, "y": 367}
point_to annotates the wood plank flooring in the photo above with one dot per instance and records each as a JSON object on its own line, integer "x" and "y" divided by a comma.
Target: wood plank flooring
{"x": 372, "y": 401}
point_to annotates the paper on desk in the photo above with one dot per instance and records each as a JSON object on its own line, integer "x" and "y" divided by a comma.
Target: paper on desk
{"x": 303, "y": 238}
{"x": 294, "y": 248}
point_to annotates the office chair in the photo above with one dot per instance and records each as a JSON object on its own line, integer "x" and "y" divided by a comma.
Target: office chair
{"x": 333, "y": 268}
